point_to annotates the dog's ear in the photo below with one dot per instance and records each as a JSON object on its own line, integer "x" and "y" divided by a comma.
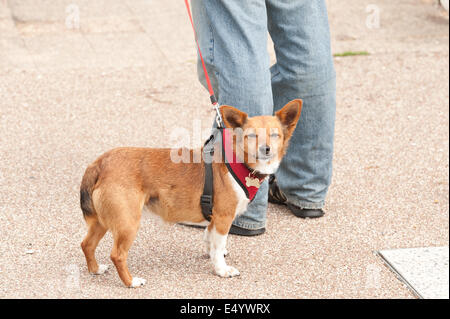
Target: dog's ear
{"x": 232, "y": 117}
{"x": 289, "y": 116}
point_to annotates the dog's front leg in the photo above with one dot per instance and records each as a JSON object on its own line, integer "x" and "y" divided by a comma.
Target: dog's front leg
{"x": 206, "y": 240}
{"x": 218, "y": 233}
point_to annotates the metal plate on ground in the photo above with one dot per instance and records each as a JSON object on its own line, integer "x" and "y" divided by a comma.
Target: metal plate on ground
{"x": 424, "y": 270}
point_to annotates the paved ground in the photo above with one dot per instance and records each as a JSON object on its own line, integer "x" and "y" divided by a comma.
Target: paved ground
{"x": 127, "y": 76}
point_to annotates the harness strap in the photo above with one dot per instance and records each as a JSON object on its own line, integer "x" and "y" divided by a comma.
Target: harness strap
{"x": 207, "y": 198}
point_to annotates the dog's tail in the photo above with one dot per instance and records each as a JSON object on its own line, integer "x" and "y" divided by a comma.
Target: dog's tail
{"x": 87, "y": 186}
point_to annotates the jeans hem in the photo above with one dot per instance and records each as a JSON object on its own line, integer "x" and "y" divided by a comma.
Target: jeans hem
{"x": 249, "y": 226}
{"x": 306, "y": 205}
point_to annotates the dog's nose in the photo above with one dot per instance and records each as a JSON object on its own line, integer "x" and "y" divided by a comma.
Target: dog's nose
{"x": 265, "y": 149}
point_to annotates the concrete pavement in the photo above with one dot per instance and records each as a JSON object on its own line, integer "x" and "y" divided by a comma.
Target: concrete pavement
{"x": 122, "y": 73}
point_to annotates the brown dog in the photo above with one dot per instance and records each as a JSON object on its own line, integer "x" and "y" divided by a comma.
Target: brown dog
{"x": 122, "y": 182}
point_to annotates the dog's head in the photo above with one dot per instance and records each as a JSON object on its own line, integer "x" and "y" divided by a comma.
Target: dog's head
{"x": 261, "y": 141}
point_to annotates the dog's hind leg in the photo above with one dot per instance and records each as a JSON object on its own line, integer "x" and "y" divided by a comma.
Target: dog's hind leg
{"x": 123, "y": 239}
{"x": 120, "y": 210}
{"x": 95, "y": 233}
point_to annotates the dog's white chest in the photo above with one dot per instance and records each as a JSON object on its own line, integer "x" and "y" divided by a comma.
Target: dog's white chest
{"x": 240, "y": 195}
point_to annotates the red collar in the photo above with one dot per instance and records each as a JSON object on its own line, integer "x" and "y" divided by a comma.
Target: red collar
{"x": 248, "y": 180}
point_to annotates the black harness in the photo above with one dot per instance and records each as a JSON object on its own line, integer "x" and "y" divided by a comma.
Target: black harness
{"x": 207, "y": 198}
{"x": 242, "y": 174}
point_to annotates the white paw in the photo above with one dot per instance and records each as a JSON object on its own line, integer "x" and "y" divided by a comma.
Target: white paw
{"x": 101, "y": 270}
{"x": 227, "y": 272}
{"x": 137, "y": 282}
{"x": 225, "y": 253}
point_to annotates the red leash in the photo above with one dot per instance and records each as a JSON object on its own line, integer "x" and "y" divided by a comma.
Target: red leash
{"x": 240, "y": 172}
{"x": 208, "y": 80}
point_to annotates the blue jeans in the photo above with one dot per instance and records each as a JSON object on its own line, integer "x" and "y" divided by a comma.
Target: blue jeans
{"x": 233, "y": 38}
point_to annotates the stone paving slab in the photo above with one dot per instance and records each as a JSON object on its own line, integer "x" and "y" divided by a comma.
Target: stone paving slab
{"x": 425, "y": 270}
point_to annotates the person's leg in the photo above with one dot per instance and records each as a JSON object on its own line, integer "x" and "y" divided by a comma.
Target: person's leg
{"x": 233, "y": 40}
{"x": 304, "y": 69}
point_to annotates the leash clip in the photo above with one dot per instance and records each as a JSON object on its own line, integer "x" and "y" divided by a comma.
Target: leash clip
{"x": 216, "y": 107}
{"x": 219, "y": 120}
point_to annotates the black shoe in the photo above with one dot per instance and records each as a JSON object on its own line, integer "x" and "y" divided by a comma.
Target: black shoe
{"x": 192, "y": 225}
{"x": 275, "y": 194}
{"x": 305, "y": 212}
{"x": 235, "y": 230}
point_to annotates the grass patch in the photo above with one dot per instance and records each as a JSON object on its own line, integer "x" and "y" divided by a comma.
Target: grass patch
{"x": 351, "y": 53}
